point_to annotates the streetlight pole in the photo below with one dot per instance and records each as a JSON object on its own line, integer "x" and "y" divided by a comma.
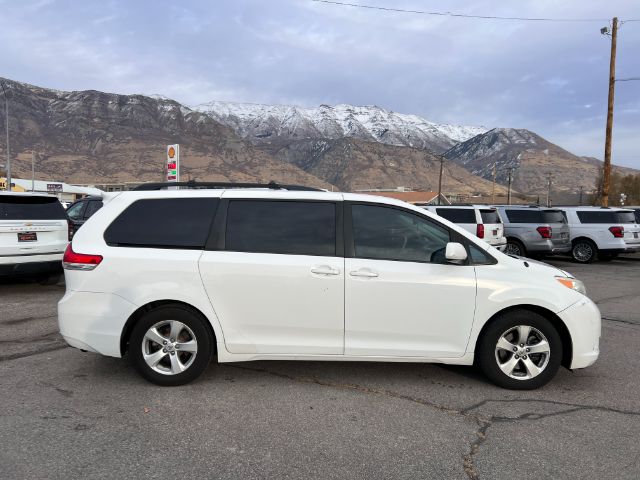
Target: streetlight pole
{"x": 440, "y": 178}
{"x": 510, "y": 180}
{"x": 6, "y": 121}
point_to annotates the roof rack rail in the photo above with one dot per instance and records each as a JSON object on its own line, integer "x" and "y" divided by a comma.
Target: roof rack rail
{"x": 213, "y": 185}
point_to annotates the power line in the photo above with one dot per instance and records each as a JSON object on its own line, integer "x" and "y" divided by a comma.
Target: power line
{"x": 462, "y": 15}
{"x": 630, "y": 79}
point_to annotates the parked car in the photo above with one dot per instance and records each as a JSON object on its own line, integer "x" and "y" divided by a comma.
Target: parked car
{"x": 602, "y": 232}
{"x": 534, "y": 230}
{"x": 171, "y": 278}
{"x": 480, "y": 220}
{"x": 33, "y": 235}
{"x": 636, "y": 211}
{"x": 81, "y": 210}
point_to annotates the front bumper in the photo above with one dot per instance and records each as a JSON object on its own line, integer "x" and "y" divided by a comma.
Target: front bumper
{"x": 93, "y": 321}
{"x": 584, "y": 322}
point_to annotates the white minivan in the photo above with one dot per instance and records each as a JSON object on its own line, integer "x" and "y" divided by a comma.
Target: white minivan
{"x": 172, "y": 278}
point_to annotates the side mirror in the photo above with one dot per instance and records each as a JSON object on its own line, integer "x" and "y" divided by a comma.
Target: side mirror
{"x": 455, "y": 252}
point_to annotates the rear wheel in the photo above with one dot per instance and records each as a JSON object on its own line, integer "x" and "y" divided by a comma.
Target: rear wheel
{"x": 515, "y": 247}
{"x": 171, "y": 346}
{"x": 584, "y": 251}
{"x": 520, "y": 350}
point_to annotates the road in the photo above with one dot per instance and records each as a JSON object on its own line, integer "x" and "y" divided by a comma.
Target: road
{"x": 68, "y": 414}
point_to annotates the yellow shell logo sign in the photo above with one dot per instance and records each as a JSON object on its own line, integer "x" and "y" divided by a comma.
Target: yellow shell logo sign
{"x": 172, "y": 152}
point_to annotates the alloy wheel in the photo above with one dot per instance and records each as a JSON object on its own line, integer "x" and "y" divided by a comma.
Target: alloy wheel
{"x": 583, "y": 252}
{"x": 169, "y": 347}
{"x": 522, "y": 352}
{"x": 513, "y": 249}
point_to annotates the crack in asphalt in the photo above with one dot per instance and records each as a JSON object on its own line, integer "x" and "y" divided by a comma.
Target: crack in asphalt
{"x": 43, "y": 349}
{"x": 18, "y": 321}
{"x": 620, "y": 320}
{"x": 484, "y": 422}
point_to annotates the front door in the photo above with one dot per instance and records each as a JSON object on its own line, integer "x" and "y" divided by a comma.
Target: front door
{"x": 402, "y": 298}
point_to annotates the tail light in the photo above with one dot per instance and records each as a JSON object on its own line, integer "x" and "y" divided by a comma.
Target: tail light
{"x": 480, "y": 230}
{"x": 545, "y": 232}
{"x": 618, "y": 232}
{"x": 79, "y": 261}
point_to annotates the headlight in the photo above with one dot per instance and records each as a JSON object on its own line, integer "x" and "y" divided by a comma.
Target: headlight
{"x": 573, "y": 284}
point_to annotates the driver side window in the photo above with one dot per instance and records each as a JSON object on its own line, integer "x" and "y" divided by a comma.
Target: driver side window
{"x": 385, "y": 233}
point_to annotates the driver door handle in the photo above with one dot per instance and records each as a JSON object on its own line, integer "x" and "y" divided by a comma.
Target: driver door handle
{"x": 364, "y": 273}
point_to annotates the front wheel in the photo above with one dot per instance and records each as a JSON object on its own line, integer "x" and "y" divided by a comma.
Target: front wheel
{"x": 171, "y": 346}
{"x": 520, "y": 350}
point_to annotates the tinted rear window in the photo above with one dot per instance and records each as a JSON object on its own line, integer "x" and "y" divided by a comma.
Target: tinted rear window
{"x": 458, "y": 215}
{"x": 525, "y": 216}
{"x": 553, "y": 216}
{"x": 490, "y": 216}
{"x": 297, "y": 228}
{"x": 608, "y": 217}
{"x": 163, "y": 223}
{"x": 31, "y": 208}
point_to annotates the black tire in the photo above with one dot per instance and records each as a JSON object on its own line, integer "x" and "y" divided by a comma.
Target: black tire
{"x": 584, "y": 251}
{"x": 515, "y": 247}
{"x": 198, "y": 329}
{"x": 487, "y": 358}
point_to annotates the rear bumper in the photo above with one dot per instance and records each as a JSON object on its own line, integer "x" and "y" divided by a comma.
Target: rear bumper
{"x": 584, "y": 322}
{"x": 93, "y": 321}
{"x": 499, "y": 244}
{"x": 632, "y": 248}
{"x": 32, "y": 265}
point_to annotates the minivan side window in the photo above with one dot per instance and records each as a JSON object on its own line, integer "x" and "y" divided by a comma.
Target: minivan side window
{"x": 284, "y": 227}
{"x": 182, "y": 223}
{"x": 458, "y": 215}
{"x": 385, "y": 233}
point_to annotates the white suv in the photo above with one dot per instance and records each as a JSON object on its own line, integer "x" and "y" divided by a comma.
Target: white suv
{"x": 33, "y": 235}
{"x": 483, "y": 221}
{"x": 171, "y": 278}
{"x": 601, "y": 232}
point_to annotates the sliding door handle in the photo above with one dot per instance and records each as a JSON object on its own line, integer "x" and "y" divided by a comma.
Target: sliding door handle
{"x": 364, "y": 273}
{"x": 325, "y": 270}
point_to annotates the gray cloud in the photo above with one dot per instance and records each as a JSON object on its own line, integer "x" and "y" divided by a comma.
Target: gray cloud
{"x": 548, "y": 77}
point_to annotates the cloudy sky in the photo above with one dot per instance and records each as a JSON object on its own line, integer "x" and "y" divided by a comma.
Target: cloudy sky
{"x": 549, "y": 77}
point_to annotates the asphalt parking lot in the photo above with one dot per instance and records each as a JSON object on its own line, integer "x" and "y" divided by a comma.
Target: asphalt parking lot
{"x": 68, "y": 414}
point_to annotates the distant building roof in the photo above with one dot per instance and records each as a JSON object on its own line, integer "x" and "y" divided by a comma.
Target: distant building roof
{"x": 43, "y": 186}
{"x": 410, "y": 197}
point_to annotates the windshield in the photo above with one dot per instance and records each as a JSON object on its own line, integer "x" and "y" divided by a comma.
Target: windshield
{"x": 31, "y": 208}
{"x": 553, "y": 216}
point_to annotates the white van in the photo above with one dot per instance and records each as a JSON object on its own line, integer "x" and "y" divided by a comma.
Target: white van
{"x": 172, "y": 277}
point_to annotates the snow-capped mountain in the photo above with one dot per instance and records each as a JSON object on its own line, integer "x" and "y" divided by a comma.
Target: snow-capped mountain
{"x": 262, "y": 124}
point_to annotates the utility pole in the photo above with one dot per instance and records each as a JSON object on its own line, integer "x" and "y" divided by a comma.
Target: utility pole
{"x": 33, "y": 170}
{"x": 548, "y": 189}
{"x": 493, "y": 189}
{"x": 6, "y": 121}
{"x": 510, "y": 169}
{"x": 440, "y": 178}
{"x": 606, "y": 176}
